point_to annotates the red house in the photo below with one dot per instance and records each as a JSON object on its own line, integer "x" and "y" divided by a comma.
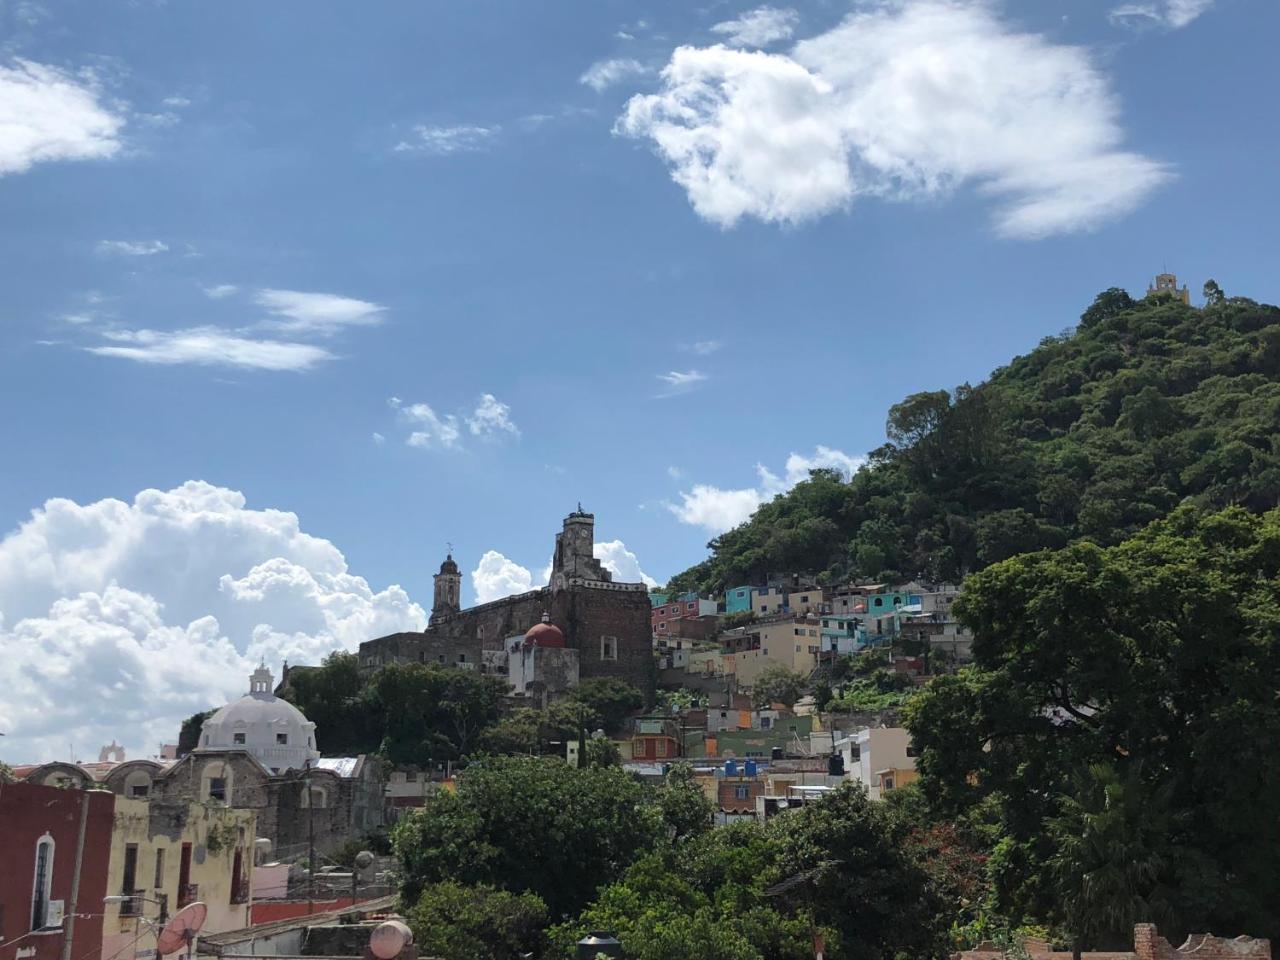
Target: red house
{"x": 41, "y": 904}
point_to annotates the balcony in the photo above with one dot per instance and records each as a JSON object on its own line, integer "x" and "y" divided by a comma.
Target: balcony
{"x": 188, "y": 893}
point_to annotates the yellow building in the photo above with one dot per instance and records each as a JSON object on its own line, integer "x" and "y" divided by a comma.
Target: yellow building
{"x": 167, "y": 855}
{"x": 1167, "y": 283}
{"x": 793, "y": 644}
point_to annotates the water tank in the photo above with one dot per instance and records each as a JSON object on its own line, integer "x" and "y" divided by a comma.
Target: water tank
{"x": 596, "y": 943}
{"x": 731, "y": 768}
{"x": 750, "y": 768}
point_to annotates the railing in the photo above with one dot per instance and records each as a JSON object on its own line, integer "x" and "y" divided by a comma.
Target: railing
{"x": 188, "y": 893}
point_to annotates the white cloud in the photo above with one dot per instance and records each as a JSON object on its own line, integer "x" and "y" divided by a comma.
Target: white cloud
{"x": 491, "y": 416}
{"x": 378, "y": 438}
{"x": 132, "y": 248}
{"x": 906, "y": 100}
{"x": 622, "y": 563}
{"x": 680, "y": 381}
{"x": 605, "y": 73}
{"x": 1167, "y": 13}
{"x": 496, "y": 577}
{"x": 759, "y": 27}
{"x": 220, "y": 291}
{"x": 47, "y": 114}
{"x": 320, "y": 314}
{"x": 177, "y": 102}
{"x": 429, "y": 429}
{"x": 716, "y": 509}
{"x": 443, "y": 141}
{"x": 704, "y": 348}
{"x": 210, "y": 346}
{"x": 121, "y": 619}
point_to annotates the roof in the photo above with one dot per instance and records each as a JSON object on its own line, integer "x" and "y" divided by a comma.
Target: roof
{"x": 342, "y": 766}
{"x": 215, "y": 943}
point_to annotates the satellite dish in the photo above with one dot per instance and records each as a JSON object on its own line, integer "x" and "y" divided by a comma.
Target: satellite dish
{"x": 389, "y": 938}
{"x": 181, "y": 929}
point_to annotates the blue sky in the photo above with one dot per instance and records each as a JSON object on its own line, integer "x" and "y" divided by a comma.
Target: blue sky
{"x": 428, "y": 272}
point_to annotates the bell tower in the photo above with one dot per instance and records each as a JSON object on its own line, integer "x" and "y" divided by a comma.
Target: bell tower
{"x": 448, "y": 591}
{"x": 575, "y": 551}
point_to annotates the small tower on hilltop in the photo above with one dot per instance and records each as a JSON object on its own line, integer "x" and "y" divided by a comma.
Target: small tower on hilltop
{"x": 448, "y": 589}
{"x": 1167, "y": 283}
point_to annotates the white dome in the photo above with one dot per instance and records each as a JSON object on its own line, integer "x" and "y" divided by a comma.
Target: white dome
{"x": 273, "y": 730}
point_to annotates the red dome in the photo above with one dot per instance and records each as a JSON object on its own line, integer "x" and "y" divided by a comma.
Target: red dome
{"x": 544, "y": 635}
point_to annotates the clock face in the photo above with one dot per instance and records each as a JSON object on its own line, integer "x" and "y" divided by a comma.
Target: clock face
{"x": 584, "y": 534}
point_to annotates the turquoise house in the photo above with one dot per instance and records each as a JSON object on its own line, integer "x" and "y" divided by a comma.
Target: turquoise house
{"x": 738, "y": 599}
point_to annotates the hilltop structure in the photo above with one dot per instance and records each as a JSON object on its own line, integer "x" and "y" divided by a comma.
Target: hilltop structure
{"x": 1167, "y": 283}
{"x": 607, "y": 623}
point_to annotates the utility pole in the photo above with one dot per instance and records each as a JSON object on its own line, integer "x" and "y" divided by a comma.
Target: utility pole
{"x": 69, "y": 921}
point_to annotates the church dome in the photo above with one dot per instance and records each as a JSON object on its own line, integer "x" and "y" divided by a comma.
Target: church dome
{"x": 544, "y": 634}
{"x": 449, "y": 566}
{"x": 272, "y": 729}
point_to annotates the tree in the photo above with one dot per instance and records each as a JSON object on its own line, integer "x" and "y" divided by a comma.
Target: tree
{"x": 1159, "y": 654}
{"x": 686, "y": 810}
{"x": 425, "y": 712}
{"x": 456, "y": 922}
{"x": 1213, "y": 295}
{"x": 529, "y": 824}
{"x": 329, "y": 695}
{"x": 610, "y": 699}
{"x": 601, "y": 752}
{"x": 777, "y": 684}
{"x": 189, "y": 735}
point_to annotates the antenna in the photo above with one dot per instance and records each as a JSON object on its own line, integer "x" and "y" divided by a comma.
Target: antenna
{"x": 181, "y": 929}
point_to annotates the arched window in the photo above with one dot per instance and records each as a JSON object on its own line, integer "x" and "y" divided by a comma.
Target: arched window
{"x": 42, "y": 882}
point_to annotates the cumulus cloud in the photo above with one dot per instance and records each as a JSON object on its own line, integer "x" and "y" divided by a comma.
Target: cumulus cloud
{"x": 316, "y": 314}
{"x": 622, "y": 563}
{"x": 48, "y": 114}
{"x": 490, "y": 419}
{"x": 905, "y": 100}
{"x": 1166, "y": 13}
{"x": 491, "y": 416}
{"x": 131, "y": 248}
{"x": 605, "y": 73}
{"x": 716, "y": 509}
{"x": 442, "y": 141}
{"x": 121, "y": 619}
{"x": 210, "y": 346}
{"x": 759, "y": 27}
{"x": 678, "y": 381}
{"x": 495, "y": 577}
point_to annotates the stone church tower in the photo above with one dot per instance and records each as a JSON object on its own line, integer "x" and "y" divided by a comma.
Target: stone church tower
{"x": 575, "y": 551}
{"x": 448, "y": 589}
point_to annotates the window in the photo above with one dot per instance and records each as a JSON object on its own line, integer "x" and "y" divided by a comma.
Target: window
{"x": 282, "y": 739}
{"x": 764, "y": 608}
{"x": 742, "y": 792}
{"x": 237, "y": 738}
{"x": 888, "y": 783}
{"x": 912, "y": 752}
{"x": 462, "y": 658}
{"x": 813, "y": 633}
{"x": 797, "y": 648}
{"x": 878, "y": 602}
{"x": 43, "y": 882}
{"x": 608, "y": 648}
{"x": 813, "y": 649}
{"x": 766, "y": 723}
{"x": 799, "y": 632}
{"x": 139, "y": 791}
{"x": 218, "y": 789}
{"x": 159, "y": 884}
{"x": 129, "y": 886}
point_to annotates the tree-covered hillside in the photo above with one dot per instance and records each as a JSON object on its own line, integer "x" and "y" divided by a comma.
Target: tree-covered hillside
{"x": 1093, "y": 434}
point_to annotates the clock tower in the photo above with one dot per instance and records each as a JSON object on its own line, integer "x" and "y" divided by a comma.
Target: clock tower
{"x": 575, "y": 551}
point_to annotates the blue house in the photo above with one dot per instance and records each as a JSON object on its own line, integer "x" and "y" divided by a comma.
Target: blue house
{"x": 738, "y": 599}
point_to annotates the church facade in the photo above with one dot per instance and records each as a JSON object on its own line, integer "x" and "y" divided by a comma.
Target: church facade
{"x": 608, "y": 623}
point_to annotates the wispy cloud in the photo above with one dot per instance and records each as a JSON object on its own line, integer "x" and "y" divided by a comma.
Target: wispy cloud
{"x": 220, "y": 291}
{"x": 429, "y": 429}
{"x": 210, "y": 346}
{"x": 442, "y": 141}
{"x": 176, "y": 102}
{"x": 131, "y": 248}
{"x": 317, "y": 314}
{"x": 704, "y": 348}
{"x": 605, "y": 73}
{"x": 758, "y": 28}
{"x": 47, "y": 114}
{"x": 491, "y": 417}
{"x": 1165, "y": 13}
{"x": 678, "y": 381}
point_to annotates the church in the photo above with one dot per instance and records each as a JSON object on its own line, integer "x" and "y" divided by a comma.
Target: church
{"x": 608, "y": 623}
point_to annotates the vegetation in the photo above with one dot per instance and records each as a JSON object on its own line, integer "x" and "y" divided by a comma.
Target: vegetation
{"x": 1125, "y": 697}
{"x": 456, "y": 922}
{"x": 778, "y": 684}
{"x": 1093, "y": 434}
{"x": 189, "y": 735}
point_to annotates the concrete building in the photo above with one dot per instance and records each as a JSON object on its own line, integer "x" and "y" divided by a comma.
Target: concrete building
{"x": 45, "y": 915}
{"x": 608, "y": 623}
{"x": 539, "y": 665}
{"x": 1166, "y": 284}
{"x": 738, "y": 599}
{"x": 167, "y": 855}
{"x": 879, "y": 758}
{"x": 793, "y": 643}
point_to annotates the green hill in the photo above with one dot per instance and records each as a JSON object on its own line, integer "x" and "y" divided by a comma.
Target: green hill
{"x": 1091, "y": 435}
